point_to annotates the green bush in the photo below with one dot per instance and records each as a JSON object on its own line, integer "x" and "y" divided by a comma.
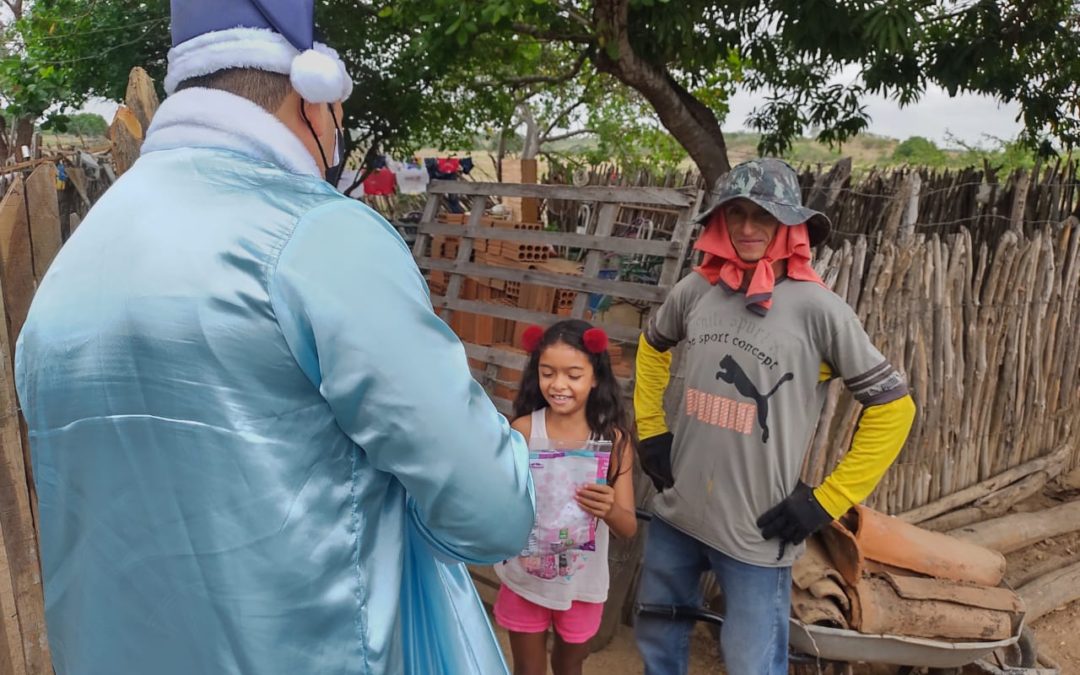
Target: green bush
{"x": 919, "y": 150}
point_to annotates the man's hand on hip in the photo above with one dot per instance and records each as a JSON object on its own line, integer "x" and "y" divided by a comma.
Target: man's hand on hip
{"x": 795, "y": 518}
{"x": 655, "y": 456}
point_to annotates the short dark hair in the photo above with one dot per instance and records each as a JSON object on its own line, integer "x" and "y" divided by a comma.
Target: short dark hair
{"x": 263, "y": 88}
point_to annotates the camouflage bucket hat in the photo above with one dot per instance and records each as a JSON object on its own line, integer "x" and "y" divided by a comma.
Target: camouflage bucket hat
{"x": 774, "y": 186}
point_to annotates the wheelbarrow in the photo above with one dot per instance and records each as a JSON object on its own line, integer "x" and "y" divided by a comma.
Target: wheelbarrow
{"x": 835, "y": 647}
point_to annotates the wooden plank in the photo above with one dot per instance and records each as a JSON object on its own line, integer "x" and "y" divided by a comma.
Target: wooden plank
{"x": 12, "y": 659}
{"x": 623, "y": 245}
{"x": 647, "y": 196}
{"x": 623, "y": 289}
{"x": 17, "y": 522}
{"x": 43, "y": 211}
{"x": 605, "y": 222}
{"x": 615, "y": 331}
{"x": 669, "y": 273}
{"x": 500, "y": 357}
{"x": 465, "y": 249}
{"x": 77, "y": 176}
{"x": 431, "y": 209}
{"x": 16, "y": 258}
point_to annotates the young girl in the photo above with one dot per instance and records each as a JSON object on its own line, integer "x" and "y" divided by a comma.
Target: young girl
{"x": 568, "y": 393}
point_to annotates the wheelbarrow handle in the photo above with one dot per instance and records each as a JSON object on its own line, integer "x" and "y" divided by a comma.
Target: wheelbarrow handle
{"x": 688, "y": 613}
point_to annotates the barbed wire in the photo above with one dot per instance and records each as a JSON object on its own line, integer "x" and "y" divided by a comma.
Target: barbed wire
{"x": 91, "y": 57}
{"x": 81, "y": 33}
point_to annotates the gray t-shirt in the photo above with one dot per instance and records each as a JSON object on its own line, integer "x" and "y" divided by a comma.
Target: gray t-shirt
{"x": 752, "y": 402}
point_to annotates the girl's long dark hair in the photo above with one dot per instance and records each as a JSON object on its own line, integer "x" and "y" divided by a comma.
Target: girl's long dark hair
{"x": 604, "y": 410}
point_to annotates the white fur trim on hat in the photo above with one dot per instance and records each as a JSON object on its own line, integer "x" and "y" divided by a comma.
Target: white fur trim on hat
{"x": 318, "y": 75}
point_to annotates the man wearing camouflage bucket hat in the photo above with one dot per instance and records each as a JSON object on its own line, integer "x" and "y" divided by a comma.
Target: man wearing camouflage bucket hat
{"x": 763, "y": 335}
{"x": 773, "y": 185}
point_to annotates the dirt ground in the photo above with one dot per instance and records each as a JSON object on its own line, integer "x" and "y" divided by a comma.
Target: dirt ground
{"x": 1057, "y": 635}
{"x": 621, "y": 657}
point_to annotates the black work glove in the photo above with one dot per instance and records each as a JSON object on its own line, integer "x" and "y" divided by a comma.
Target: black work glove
{"x": 655, "y": 456}
{"x": 796, "y": 518}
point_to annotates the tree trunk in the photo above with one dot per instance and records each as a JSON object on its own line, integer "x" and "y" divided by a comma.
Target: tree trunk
{"x": 5, "y": 144}
{"x": 691, "y": 122}
{"x": 532, "y": 132}
{"x": 24, "y": 136}
{"x": 500, "y": 154}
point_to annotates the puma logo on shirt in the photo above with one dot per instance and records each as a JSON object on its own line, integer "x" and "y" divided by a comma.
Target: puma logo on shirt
{"x": 733, "y": 374}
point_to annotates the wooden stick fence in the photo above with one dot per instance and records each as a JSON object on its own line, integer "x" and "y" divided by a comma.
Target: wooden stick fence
{"x": 941, "y": 200}
{"x": 987, "y": 338}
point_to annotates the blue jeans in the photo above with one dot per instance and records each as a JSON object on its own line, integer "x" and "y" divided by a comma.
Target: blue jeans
{"x": 757, "y": 603}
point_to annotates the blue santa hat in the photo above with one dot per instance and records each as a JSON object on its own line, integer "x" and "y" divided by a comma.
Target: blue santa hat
{"x": 277, "y": 36}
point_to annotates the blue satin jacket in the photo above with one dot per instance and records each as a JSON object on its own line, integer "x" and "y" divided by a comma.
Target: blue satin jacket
{"x": 256, "y": 448}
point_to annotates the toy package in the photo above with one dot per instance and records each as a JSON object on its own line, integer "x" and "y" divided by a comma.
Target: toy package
{"x": 558, "y": 470}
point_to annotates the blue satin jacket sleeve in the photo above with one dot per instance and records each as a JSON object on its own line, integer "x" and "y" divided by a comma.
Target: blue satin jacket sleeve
{"x": 355, "y": 312}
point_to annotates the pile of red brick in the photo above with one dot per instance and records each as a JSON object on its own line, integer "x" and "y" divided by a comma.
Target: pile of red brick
{"x": 505, "y": 334}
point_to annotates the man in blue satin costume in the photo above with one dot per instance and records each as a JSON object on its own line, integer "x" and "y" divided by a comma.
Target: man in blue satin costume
{"x": 256, "y": 448}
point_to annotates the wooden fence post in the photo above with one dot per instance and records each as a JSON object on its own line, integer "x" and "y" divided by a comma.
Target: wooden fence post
{"x": 1016, "y": 216}
{"x": 22, "y": 587}
{"x": 16, "y": 256}
{"x": 126, "y": 135}
{"x": 141, "y": 97}
{"x": 43, "y": 212}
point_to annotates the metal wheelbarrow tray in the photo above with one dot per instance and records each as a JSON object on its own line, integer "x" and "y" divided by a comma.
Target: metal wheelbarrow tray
{"x": 810, "y": 644}
{"x": 836, "y": 644}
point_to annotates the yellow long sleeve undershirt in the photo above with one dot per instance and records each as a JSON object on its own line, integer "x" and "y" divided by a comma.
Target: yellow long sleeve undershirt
{"x": 652, "y": 374}
{"x": 878, "y": 438}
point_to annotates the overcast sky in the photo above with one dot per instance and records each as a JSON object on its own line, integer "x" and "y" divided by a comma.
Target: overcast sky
{"x": 967, "y": 117}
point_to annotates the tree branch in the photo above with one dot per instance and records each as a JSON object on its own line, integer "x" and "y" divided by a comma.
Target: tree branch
{"x": 550, "y": 35}
{"x": 563, "y": 137}
{"x": 562, "y": 115}
{"x": 548, "y": 79}
{"x": 576, "y": 16}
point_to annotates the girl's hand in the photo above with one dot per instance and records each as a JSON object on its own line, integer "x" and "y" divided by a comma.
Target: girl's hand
{"x": 596, "y": 499}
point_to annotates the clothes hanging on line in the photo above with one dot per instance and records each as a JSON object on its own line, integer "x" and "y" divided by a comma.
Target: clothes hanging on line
{"x": 412, "y": 179}
{"x": 380, "y": 182}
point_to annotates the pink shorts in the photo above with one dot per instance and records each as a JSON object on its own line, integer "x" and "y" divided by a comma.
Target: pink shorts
{"x": 575, "y": 625}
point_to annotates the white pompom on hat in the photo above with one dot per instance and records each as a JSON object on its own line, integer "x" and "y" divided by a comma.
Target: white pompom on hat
{"x": 272, "y": 35}
{"x": 316, "y": 77}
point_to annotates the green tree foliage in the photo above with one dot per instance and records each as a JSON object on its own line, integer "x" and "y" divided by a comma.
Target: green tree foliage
{"x": 919, "y": 150}
{"x": 442, "y": 70}
{"x": 83, "y": 124}
{"x": 63, "y": 52}
{"x": 815, "y": 60}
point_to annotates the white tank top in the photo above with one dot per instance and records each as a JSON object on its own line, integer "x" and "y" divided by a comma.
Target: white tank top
{"x": 582, "y": 575}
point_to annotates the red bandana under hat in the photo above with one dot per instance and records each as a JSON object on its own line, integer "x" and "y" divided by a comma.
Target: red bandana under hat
{"x": 722, "y": 263}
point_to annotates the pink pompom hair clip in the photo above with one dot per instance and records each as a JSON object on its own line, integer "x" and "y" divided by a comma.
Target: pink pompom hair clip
{"x": 595, "y": 339}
